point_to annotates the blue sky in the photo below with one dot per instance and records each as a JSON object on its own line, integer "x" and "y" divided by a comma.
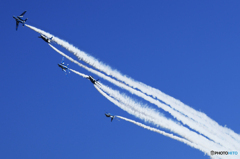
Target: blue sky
{"x": 188, "y": 50}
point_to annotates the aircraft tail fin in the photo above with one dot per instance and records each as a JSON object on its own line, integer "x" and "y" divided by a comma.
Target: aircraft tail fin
{"x": 24, "y": 21}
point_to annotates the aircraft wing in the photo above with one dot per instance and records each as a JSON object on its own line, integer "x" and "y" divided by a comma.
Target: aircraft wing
{"x": 17, "y": 25}
{"x": 21, "y": 15}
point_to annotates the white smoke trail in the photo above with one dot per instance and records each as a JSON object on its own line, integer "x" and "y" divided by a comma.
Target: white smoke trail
{"x": 134, "y": 109}
{"x": 201, "y": 118}
{"x": 136, "y": 113}
{"x": 131, "y": 111}
{"x": 160, "y": 132}
{"x": 174, "y": 113}
{"x": 80, "y": 74}
{"x": 161, "y": 121}
{"x": 133, "y": 91}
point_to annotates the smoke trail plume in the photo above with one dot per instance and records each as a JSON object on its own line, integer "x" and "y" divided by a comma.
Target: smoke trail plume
{"x": 201, "y": 119}
{"x": 135, "y": 113}
{"x": 180, "y": 111}
{"x": 80, "y": 74}
{"x": 174, "y": 113}
{"x": 159, "y": 131}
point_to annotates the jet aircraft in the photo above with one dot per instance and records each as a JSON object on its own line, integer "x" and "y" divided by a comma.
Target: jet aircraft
{"x": 63, "y": 67}
{"x": 92, "y": 80}
{"x": 109, "y": 115}
{"x": 45, "y": 38}
{"x": 19, "y": 19}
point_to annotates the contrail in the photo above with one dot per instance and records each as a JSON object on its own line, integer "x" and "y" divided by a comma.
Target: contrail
{"x": 133, "y": 91}
{"x": 204, "y": 148}
{"x": 202, "y": 119}
{"x": 155, "y": 118}
{"x": 204, "y": 122}
{"x": 117, "y": 95}
{"x": 80, "y": 74}
{"x": 133, "y": 109}
{"x": 183, "y": 118}
{"x": 160, "y": 132}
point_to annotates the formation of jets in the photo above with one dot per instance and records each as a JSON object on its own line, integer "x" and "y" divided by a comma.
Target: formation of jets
{"x": 19, "y": 19}
{"x": 61, "y": 65}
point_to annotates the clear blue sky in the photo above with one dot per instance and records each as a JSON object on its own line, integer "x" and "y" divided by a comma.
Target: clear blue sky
{"x": 189, "y": 50}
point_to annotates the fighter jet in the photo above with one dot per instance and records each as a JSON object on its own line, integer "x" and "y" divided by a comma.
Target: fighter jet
{"x": 92, "y": 80}
{"x": 45, "y": 38}
{"x": 19, "y": 19}
{"x": 109, "y": 115}
{"x": 63, "y": 67}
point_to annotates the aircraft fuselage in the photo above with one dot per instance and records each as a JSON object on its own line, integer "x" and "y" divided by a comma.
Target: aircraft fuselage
{"x": 45, "y": 39}
{"x": 19, "y": 19}
{"x": 63, "y": 67}
{"x": 92, "y": 79}
{"x": 109, "y": 115}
